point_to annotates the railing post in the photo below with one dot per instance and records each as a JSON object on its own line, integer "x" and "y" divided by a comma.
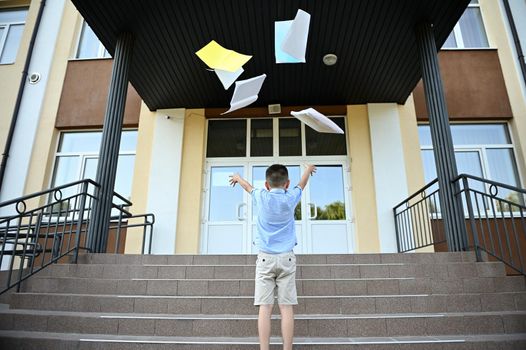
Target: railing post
{"x": 451, "y": 205}
{"x": 465, "y": 185}
{"x": 118, "y": 234}
{"x": 80, "y": 220}
{"x": 109, "y": 150}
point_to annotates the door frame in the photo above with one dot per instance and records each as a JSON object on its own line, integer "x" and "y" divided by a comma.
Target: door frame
{"x": 247, "y": 164}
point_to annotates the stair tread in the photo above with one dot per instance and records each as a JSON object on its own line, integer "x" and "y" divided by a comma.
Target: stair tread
{"x": 254, "y": 340}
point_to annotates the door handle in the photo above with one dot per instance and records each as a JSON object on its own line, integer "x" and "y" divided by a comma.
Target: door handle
{"x": 315, "y": 210}
{"x": 239, "y": 214}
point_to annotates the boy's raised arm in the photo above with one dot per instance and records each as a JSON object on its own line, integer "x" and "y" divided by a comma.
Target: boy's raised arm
{"x": 311, "y": 169}
{"x": 236, "y": 178}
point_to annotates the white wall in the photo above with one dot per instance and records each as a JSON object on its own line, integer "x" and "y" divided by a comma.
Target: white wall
{"x": 28, "y": 118}
{"x": 389, "y": 168}
{"x": 165, "y": 173}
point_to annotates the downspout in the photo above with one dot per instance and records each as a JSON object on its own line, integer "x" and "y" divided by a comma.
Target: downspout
{"x": 516, "y": 39}
{"x": 14, "y": 118}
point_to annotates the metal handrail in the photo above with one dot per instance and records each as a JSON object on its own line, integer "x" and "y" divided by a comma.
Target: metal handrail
{"x": 495, "y": 225}
{"x": 35, "y": 235}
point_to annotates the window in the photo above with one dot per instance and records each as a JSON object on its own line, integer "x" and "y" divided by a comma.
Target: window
{"x": 11, "y": 28}
{"x": 89, "y": 45}
{"x": 78, "y": 154}
{"x": 469, "y": 31}
{"x": 268, "y": 137}
{"x": 483, "y": 150}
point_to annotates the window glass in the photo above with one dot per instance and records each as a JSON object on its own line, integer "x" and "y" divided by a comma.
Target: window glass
{"x": 321, "y": 144}
{"x": 502, "y": 168}
{"x": 470, "y": 134}
{"x": 13, "y": 15}
{"x": 289, "y": 137}
{"x": 227, "y": 138}
{"x": 326, "y": 193}
{"x": 451, "y": 41}
{"x": 261, "y": 137}
{"x": 10, "y": 49}
{"x": 80, "y": 142}
{"x": 89, "y": 44}
{"x": 472, "y": 28}
{"x": 225, "y": 201}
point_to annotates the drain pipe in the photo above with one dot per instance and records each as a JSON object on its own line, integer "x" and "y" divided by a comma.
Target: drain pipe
{"x": 516, "y": 39}
{"x": 14, "y": 118}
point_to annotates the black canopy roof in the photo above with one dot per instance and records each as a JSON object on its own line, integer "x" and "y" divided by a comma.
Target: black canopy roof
{"x": 373, "y": 39}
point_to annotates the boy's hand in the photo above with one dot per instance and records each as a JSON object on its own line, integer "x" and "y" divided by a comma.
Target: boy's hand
{"x": 311, "y": 169}
{"x": 234, "y": 179}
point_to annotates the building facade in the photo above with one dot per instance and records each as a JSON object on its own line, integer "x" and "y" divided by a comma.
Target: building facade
{"x": 175, "y": 162}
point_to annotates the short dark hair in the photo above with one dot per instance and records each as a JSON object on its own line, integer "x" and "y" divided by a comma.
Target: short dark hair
{"x": 277, "y": 175}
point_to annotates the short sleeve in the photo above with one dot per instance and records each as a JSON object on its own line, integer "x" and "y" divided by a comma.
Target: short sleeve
{"x": 296, "y": 194}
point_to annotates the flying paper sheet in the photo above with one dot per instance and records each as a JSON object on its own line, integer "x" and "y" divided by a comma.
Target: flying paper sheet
{"x": 217, "y": 57}
{"x": 246, "y": 92}
{"x": 281, "y": 29}
{"x": 317, "y": 121}
{"x": 228, "y": 78}
{"x": 295, "y": 41}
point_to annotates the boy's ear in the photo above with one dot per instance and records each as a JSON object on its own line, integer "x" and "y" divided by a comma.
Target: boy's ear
{"x": 267, "y": 186}
{"x": 287, "y": 184}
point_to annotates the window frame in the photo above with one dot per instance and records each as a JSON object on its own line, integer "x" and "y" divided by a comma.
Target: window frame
{"x": 101, "y": 51}
{"x": 83, "y": 156}
{"x": 457, "y": 33}
{"x": 6, "y": 26}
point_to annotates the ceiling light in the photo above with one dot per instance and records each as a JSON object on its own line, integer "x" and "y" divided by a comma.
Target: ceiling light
{"x": 330, "y": 59}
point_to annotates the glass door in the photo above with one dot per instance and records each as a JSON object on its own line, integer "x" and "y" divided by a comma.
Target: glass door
{"x": 225, "y": 222}
{"x": 328, "y": 219}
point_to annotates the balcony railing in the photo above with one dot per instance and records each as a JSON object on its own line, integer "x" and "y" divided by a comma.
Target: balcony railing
{"x": 494, "y": 216}
{"x": 51, "y": 226}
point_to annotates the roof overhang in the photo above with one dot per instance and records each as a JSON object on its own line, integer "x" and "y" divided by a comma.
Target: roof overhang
{"x": 374, "y": 40}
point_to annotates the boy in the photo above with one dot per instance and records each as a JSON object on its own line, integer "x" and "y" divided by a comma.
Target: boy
{"x": 276, "y": 237}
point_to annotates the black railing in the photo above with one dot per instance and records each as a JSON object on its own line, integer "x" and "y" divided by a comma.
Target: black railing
{"x": 494, "y": 218}
{"x": 51, "y": 226}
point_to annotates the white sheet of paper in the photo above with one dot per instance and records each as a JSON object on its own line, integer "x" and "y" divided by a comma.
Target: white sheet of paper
{"x": 317, "y": 121}
{"x": 228, "y": 78}
{"x": 246, "y": 92}
{"x": 295, "y": 42}
{"x": 281, "y": 28}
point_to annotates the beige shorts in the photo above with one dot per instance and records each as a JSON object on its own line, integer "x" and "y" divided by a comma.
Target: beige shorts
{"x": 276, "y": 271}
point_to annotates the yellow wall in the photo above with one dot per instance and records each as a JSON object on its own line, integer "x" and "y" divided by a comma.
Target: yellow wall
{"x": 362, "y": 180}
{"x": 141, "y": 175}
{"x": 494, "y": 21}
{"x": 191, "y": 185}
{"x": 10, "y": 74}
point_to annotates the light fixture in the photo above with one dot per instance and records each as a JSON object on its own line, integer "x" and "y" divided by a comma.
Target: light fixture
{"x": 330, "y": 59}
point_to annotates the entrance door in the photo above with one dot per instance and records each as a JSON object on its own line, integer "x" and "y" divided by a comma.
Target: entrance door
{"x": 225, "y": 223}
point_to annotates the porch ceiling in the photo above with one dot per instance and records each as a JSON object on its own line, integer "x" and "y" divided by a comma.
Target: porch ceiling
{"x": 373, "y": 39}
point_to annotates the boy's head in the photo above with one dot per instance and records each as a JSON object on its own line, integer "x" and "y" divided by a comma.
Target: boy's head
{"x": 277, "y": 176}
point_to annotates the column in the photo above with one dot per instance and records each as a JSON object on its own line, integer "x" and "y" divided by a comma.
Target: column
{"x": 109, "y": 150}
{"x": 451, "y": 205}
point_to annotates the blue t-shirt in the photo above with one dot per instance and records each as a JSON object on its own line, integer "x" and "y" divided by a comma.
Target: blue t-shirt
{"x": 276, "y": 232}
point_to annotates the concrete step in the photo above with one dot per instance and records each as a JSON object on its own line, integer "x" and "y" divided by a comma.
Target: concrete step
{"x": 326, "y": 326}
{"x": 245, "y": 287}
{"x": 135, "y": 259}
{"x": 338, "y": 305}
{"x": 54, "y": 341}
{"x": 443, "y": 271}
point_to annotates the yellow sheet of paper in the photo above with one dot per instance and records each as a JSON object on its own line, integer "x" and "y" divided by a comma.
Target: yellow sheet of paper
{"x": 217, "y": 57}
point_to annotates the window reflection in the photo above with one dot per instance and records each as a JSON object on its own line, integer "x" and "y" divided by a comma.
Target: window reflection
{"x": 326, "y": 193}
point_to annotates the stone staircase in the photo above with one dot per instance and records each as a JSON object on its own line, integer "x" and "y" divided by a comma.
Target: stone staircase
{"x": 373, "y": 301}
